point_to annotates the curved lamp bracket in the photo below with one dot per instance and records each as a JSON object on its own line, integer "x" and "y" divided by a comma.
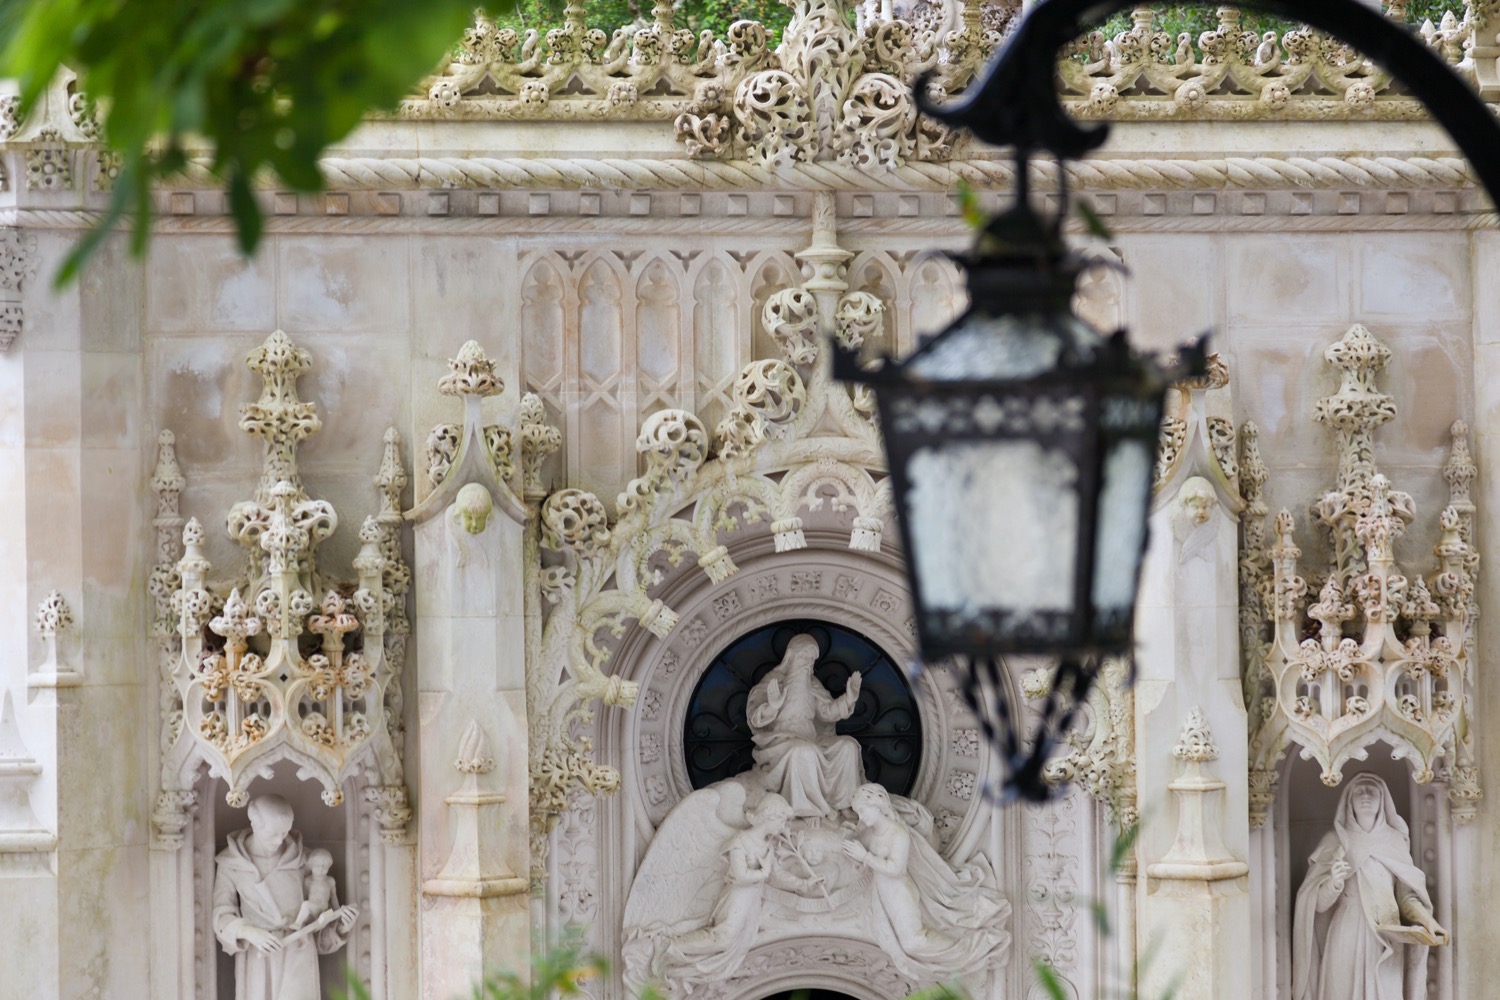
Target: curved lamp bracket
{"x": 1017, "y": 103}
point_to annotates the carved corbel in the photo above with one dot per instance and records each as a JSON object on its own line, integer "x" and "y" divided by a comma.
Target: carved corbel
{"x": 20, "y": 831}
{"x": 473, "y": 451}
{"x": 1197, "y": 853}
{"x": 53, "y": 619}
{"x": 474, "y": 867}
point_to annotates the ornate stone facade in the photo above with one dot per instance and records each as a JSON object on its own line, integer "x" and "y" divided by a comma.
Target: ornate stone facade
{"x": 590, "y": 279}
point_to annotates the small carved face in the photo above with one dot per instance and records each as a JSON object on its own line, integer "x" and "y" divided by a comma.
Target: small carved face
{"x": 473, "y": 506}
{"x": 1366, "y": 802}
{"x": 867, "y": 804}
{"x": 803, "y": 651}
{"x": 1197, "y": 499}
{"x": 319, "y": 861}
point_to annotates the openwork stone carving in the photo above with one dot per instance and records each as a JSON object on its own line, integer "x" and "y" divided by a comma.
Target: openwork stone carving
{"x": 283, "y": 661}
{"x": 836, "y": 93}
{"x": 597, "y": 578}
{"x": 1390, "y": 651}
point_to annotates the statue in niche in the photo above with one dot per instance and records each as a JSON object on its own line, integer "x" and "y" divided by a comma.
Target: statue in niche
{"x": 800, "y": 844}
{"x": 1363, "y": 921}
{"x": 263, "y": 884}
{"x": 1191, "y": 525}
{"x": 797, "y": 753}
{"x": 929, "y": 917}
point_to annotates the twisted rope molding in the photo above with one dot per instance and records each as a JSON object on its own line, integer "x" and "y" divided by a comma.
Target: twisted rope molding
{"x": 1260, "y": 172}
{"x": 793, "y": 228}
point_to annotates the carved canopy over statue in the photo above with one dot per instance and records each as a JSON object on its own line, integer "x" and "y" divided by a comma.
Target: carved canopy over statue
{"x": 1363, "y": 920}
{"x": 802, "y": 844}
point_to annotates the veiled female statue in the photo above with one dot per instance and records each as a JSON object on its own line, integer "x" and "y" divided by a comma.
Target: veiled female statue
{"x": 1363, "y": 920}
{"x": 792, "y": 718}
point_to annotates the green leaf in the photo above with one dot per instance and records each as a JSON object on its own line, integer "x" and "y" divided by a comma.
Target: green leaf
{"x": 1049, "y": 980}
{"x": 1123, "y": 845}
{"x": 1091, "y": 221}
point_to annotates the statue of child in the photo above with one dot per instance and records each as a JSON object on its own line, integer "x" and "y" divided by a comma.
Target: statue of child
{"x": 317, "y": 886}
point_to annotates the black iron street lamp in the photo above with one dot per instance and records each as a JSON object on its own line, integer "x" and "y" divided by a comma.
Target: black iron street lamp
{"x": 1021, "y": 443}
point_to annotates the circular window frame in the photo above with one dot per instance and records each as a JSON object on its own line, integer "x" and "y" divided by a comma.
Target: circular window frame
{"x": 862, "y": 591}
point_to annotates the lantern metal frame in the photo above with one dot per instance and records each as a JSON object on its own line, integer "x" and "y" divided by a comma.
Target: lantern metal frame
{"x": 1017, "y": 104}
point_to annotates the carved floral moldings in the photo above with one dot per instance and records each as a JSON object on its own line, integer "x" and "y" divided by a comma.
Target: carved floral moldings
{"x": 280, "y": 661}
{"x": 1361, "y": 650}
{"x": 17, "y": 266}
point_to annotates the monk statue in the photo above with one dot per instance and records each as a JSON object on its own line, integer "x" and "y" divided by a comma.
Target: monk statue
{"x": 797, "y": 753}
{"x": 261, "y": 884}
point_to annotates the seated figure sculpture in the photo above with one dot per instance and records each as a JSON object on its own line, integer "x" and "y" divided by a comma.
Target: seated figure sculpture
{"x": 797, "y": 753}
{"x": 1363, "y": 921}
{"x": 260, "y": 889}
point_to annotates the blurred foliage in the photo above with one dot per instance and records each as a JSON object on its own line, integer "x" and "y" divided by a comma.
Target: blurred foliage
{"x": 261, "y": 84}
{"x": 1176, "y": 18}
{"x": 713, "y": 15}
{"x": 266, "y": 86}
{"x": 559, "y": 971}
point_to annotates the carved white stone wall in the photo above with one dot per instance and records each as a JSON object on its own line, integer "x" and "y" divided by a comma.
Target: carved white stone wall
{"x": 619, "y": 271}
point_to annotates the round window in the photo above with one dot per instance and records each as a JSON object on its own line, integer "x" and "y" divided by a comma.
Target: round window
{"x": 885, "y": 721}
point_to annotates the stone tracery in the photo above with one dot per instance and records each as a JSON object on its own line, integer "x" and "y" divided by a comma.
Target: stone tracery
{"x": 1389, "y": 656}
{"x": 241, "y": 692}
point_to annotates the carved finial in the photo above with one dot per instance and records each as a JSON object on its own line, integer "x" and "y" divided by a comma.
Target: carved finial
{"x": 1253, "y": 472}
{"x": 1460, "y": 470}
{"x": 471, "y": 374}
{"x": 1358, "y": 407}
{"x": 472, "y": 758}
{"x": 1215, "y": 376}
{"x": 167, "y": 481}
{"x": 279, "y": 417}
{"x": 537, "y": 442}
{"x": 334, "y": 623}
{"x": 391, "y": 480}
{"x": 236, "y": 623}
{"x": 53, "y": 616}
{"x": 1196, "y": 744}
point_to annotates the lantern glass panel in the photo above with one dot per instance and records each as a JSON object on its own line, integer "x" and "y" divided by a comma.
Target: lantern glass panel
{"x": 1121, "y": 526}
{"x": 994, "y": 532}
{"x": 982, "y": 346}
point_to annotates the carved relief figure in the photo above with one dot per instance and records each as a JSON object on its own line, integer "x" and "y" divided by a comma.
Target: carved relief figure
{"x": 1191, "y": 519}
{"x": 930, "y": 918}
{"x": 720, "y": 946}
{"x": 263, "y": 882}
{"x": 1363, "y": 921}
{"x": 797, "y": 753}
{"x": 801, "y": 845}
